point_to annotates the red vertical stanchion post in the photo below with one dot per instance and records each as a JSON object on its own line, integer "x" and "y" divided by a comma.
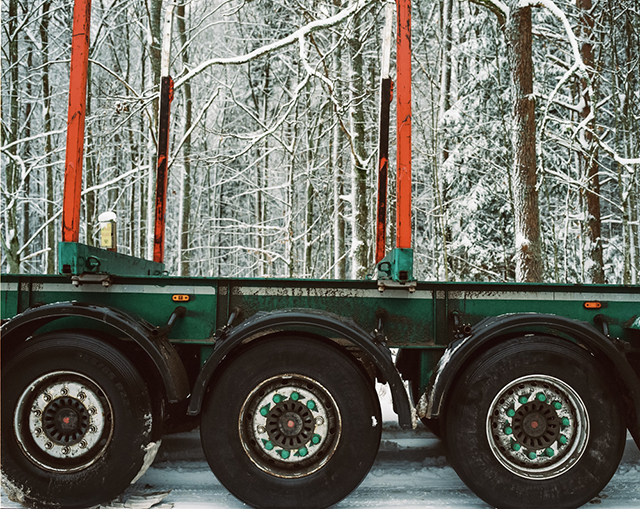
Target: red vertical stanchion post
{"x": 162, "y": 176}
{"x": 403, "y": 106}
{"x": 75, "y": 121}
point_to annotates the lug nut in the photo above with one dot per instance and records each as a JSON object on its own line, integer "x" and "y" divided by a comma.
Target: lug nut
{"x": 508, "y": 430}
{"x": 303, "y": 451}
{"x": 66, "y": 450}
{"x": 316, "y": 439}
{"x": 277, "y": 398}
{"x": 565, "y": 421}
{"x": 319, "y": 421}
{"x": 37, "y": 412}
{"x": 268, "y": 445}
{"x": 46, "y": 397}
{"x": 311, "y": 405}
{"x": 262, "y": 429}
{"x": 83, "y": 444}
{"x": 48, "y": 445}
{"x": 511, "y": 412}
{"x": 64, "y": 391}
{"x": 92, "y": 429}
{"x": 93, "y": 410}
{"x": 295, "y": 396}
{"x": 541, "y": 397}
{"x": 516, "y": 446}
{"x": 82, "y": 395}
{"x": 523, "y": 400}
{"x": 549, "y": 452}
{"x": 264, "y": 410}
{"x": 285, "y": 454}
{"x": 557, "y": 405}
{"x": 563, "y": 440}
{"x": 532, "y": 455}
{"x": 38, "y": 432}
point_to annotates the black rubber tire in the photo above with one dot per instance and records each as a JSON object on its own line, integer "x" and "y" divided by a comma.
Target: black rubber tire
{"x": 356, "y": 448}
{"x": 466, "y": 420}
{"x": 120, "y": 457}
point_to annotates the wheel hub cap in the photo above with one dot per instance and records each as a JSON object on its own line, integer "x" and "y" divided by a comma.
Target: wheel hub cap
{"x": 536, "y": 425}
{"x": 66, "y": 420}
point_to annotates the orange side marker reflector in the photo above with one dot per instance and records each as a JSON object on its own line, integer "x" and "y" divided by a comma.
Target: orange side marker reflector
{"x": 180, "y": 298}
{"x": 592, "y": 305}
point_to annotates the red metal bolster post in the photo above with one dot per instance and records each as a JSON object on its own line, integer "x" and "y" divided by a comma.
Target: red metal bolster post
{"x": 403, "y": 105}
{"x": 75, "y": 122}
{"x": 166, "y": 96}
{"x": 383, "y": 169}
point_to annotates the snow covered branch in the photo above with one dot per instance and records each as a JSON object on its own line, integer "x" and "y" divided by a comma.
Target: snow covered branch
{"x": 276, "y": 45}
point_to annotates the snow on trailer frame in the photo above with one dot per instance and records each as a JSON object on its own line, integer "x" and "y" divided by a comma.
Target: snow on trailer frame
{"x": 531, "y": 386}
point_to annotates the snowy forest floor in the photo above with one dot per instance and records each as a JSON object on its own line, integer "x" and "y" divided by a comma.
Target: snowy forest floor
{"x": 410, "y": 471}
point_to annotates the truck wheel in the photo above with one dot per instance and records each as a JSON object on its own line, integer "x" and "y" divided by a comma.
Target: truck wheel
{"x": 291, "y": 423}
{"x": 534, "y": 423}
{"x": 76, "y": 422}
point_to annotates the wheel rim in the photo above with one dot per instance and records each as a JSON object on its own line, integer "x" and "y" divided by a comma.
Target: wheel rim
{"x": 538, "y": 427}
{"x": 63, "y": 421}
{"x": 290, "y": 426}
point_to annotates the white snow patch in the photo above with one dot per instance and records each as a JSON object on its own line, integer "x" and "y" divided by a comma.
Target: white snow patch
{"x": 150, "y": 454}
{"x": 14, "y": 492}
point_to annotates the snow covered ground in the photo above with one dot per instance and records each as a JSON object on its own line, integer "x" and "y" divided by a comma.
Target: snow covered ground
{"x": 410, "y": 471}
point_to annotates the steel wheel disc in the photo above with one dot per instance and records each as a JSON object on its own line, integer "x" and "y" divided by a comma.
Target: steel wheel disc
{"x": 537, "y": 427}
{"x": 63, "y": 422}
{"x": 290, "y": 426}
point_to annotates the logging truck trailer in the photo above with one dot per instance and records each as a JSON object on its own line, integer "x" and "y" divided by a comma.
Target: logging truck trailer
{"x": 531, "y": 386}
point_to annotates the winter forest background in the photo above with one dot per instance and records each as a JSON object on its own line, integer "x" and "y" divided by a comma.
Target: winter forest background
{"x": 273, "y": 159}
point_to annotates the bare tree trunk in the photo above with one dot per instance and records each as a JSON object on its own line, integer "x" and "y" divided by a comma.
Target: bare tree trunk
{"x": 527, "y": 217}
{"x": 10, "y": 239}
{"x": 593, "y": 226}
{"x": 359, "y": 174}
{"x": 185, "y": 225}
{"x": 46, "y": 93}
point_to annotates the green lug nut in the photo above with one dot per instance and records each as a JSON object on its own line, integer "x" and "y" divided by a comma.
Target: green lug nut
{"x": 563, "y": 440}
{"x": 277, "y": 398}
{"x": 566, "y": 421}
{"x": 295, "y": 396}
{"x": 268, "y": 445}
{"x": 541, "y": 397}
{"x": 532, "y": 455}
{"x": 316, "y": 439}
{"x": 303, "y": 451}
{"x": 557, "y": 405}
{"x": 264, "y": 410}
{"x": 285, "y": 454}
{"x": 311, "y": 405}
{"x": 508, "y": 430}
{"x": 523, "y": 400}
{"x": 549, "y": 452}
{"x": 511, "y": 412}
{"x": 516, "y": 446}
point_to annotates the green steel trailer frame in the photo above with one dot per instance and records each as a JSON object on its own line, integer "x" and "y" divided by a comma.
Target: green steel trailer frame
{"x": 531, "y": 386}
{"x": 507, "y": 359}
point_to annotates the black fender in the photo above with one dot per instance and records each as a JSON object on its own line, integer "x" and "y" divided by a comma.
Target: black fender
{"x": 266, "y": 323}
{"x": 502, "y": 327}
{"x": 162, "y": 354}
